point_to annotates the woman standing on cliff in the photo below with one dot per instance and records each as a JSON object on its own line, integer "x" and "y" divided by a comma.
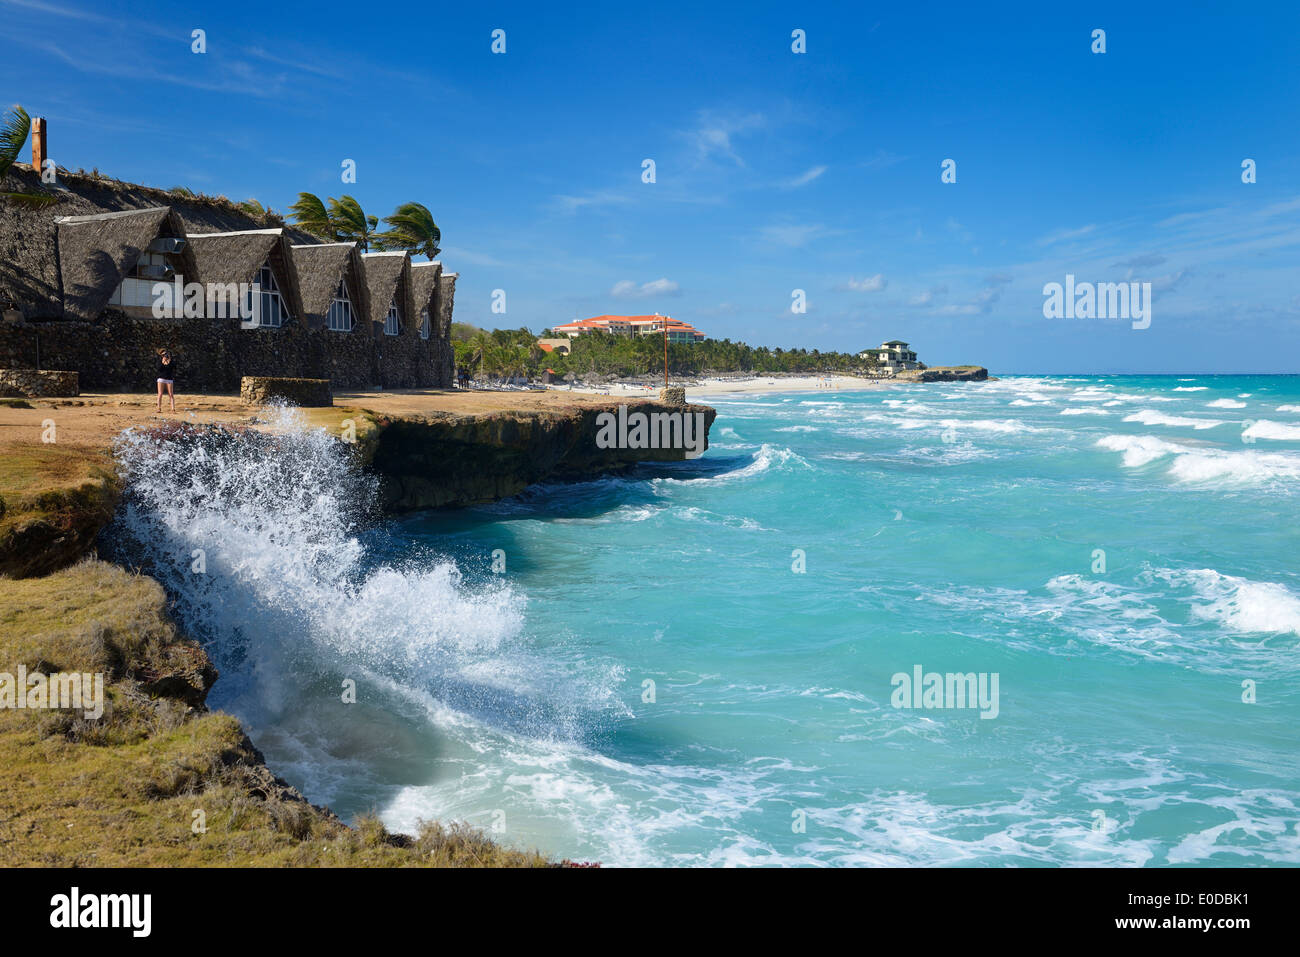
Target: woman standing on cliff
{"x": 166, "y": 377}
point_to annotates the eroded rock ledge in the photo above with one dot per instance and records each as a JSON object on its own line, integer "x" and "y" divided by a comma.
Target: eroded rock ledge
{"x": 440, "y": 459}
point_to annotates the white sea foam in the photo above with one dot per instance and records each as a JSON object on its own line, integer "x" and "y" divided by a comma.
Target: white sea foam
{"x": 1152, "y": 417}
{"x": 1190, "y": 388}
{"x": 1288, "y": 408}
{"x": 1238, "y": 604}
{"x": 1268, "y": 429}
{"x": 1084, "y": 412}
{"x": 1226, "y": 404}
{"x": 1205, "y": 465}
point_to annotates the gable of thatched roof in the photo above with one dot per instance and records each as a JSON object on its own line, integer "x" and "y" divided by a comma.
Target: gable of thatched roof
{"x": 236, "y": 257}
{"x": 446, "y": 301}
{"x": 319, "y": 268}
{"x": 232, "y": 257}
{"x": 424, "y": 286}
{"x": 384, "y": 274}
{"x": 96, "y": 252}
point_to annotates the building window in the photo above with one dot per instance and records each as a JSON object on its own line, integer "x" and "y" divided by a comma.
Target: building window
{"x": 136, "y": 288}
{"x": 424, "y": 323}
{"x": 340, "y": 314}
{"x": 273, "y": 309}
{"x": 393, "y": 321}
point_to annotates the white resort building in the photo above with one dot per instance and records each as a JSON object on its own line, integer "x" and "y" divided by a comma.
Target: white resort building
{"x": 892, "y": 356}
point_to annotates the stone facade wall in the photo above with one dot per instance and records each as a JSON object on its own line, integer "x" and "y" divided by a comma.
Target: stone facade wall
{"x": 119, "y": 352}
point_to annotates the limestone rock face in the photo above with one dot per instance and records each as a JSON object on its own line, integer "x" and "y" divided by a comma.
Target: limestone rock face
{"x": 439, "y": 460}
{"x": 56, "y": 528}
{"x": 945, "y": 374}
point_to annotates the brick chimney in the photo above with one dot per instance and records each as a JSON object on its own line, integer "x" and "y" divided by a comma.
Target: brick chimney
{"x": 40, "y": 146}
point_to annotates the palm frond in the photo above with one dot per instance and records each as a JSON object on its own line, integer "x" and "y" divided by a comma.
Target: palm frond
{"x": 412, "y": 227}
{"x": 14, "y": 129}
{"x": 310, "y": 215}
{"x": 30, "y": 200}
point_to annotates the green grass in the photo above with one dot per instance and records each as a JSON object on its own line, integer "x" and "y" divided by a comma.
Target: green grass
{"x": 124, "y": 789}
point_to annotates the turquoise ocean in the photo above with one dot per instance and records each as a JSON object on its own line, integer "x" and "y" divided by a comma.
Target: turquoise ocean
{"x": 693, "y": 664}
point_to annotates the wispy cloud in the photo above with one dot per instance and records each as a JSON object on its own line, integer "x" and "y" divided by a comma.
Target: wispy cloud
{"x": 1064, "y": 235}
{"x": 596, "y": 198}
{"x": 870, "y": 284}
{"x": 713, "y": 135}
{"x": 793, "y": 235}
{"x": 805, "y": 178}
{"x": 627, "y": 289}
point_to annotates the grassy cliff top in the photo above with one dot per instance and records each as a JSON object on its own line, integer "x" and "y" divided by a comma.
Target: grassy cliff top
{"x": 158, "y": 780}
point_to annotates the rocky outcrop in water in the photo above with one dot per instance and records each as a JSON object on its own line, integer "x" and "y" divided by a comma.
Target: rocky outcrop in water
{"x": 441, "y": 459}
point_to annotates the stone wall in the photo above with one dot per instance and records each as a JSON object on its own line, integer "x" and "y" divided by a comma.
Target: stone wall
{"x": 33, "y": 384}
{"x": 119, "y": 352}
{"x": 307, "y": 393}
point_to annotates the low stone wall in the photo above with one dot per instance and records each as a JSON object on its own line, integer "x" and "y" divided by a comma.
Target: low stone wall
{"x": 258, "y": 390}
{"x": 39, "y": 384}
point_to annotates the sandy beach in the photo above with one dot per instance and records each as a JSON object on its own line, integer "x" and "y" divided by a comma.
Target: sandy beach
{"x": 718, "y": 386}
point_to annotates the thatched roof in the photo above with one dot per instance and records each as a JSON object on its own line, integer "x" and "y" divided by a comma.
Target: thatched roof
{"x": 424, "y": 286}
{"x": 319, "y": 269}
{"x": 96, "y": 252}
{"x": 384, "y": 274}
{"x": 237, "y": 256}
{"x": 29, "y": 251}
{"x": 232, "y": 257}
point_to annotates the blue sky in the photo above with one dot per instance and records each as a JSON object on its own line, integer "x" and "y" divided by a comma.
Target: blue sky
{"x": 775, "y": 171}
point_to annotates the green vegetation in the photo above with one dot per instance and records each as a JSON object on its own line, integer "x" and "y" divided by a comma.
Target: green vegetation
{"x": 411, "y": 226}
{"x": 507, "y": 352}
{"x": 14, "y": 129}
{"x": 124, "y": 790}
{"x": 54, "y": 499}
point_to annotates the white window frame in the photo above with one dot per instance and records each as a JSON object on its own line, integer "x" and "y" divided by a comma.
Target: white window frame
{"x": 340, "y": 316}
{"x": 393, "y": 321}
{"x": 274, "y": 310}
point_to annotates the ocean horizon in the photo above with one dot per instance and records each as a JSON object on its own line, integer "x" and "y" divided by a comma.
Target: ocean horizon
{"x": 713, "y": 662}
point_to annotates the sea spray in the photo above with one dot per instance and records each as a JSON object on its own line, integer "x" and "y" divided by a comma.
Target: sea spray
{"x": 268, "y": 544}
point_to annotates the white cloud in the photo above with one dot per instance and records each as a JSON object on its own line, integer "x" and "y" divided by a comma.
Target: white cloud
{"x": 627, "y": 289}
{"x": 870, "y": 284}
{"x": 713, "y": 136}
{"x": 805, "y": 178}
{"x": 1062, "y": 235}
{"x": 792, "y": 235}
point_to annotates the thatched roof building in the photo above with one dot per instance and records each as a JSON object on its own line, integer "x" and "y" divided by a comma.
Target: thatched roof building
{"x": 99, "y": 261}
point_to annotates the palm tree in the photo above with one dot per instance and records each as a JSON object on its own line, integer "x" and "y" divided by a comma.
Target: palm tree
{"x": 14, "y": 129}
{"x": 351, "y": 223}
{"x": 311, "y": 216}
{"x": 253, "y": 208}
{"x": 411, "y": 227}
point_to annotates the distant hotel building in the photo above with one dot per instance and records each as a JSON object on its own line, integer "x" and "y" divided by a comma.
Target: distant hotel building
{"x": 892, "y": 356}
{"x": 631, "y": 326}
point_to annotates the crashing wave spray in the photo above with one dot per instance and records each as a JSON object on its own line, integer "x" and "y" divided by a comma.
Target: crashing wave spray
{"x": 259, "y": 538}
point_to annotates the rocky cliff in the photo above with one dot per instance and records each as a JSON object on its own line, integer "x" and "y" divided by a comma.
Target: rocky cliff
{"x": 443, "y": 459}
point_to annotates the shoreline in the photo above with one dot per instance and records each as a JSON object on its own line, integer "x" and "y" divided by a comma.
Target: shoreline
{"x": 721, "y": 386}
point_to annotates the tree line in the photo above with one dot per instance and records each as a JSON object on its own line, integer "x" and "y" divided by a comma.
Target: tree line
{"x": 506, "y": 353}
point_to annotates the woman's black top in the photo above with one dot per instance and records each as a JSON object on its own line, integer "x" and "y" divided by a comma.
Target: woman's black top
{"x": 167, "y": 371}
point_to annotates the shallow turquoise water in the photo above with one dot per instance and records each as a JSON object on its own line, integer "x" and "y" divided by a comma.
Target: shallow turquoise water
{"x": 954, "y": 527}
